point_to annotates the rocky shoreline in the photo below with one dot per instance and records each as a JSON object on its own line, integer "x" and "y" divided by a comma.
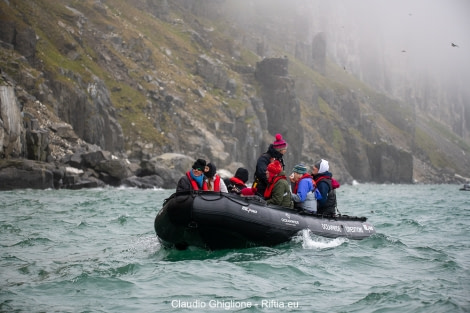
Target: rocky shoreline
{"x": 40, "y": 151}
{"x": 92, "y": 170}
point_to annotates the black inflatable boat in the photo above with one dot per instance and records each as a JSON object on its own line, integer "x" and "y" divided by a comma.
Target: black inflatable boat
{"x": 213, "y": 220}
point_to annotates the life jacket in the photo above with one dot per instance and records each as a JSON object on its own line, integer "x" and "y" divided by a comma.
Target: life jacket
{"x": 216, "y": 183}
{"x": 308, "y": 176}
{"x": 194, "y": 184}
{"x": 237, "y": 181}
{"x": 334, "y": 183}
{"x": 329, "y": 207}
{"x": 269, "y": 189}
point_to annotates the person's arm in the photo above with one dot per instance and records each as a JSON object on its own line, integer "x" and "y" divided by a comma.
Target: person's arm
{"x": 183, "y": 184}
{"x": 261, "y": 166}
{"x": 323, "y": 188}
{"x": 302, "y": 191}
{"x": 223, "y": 187}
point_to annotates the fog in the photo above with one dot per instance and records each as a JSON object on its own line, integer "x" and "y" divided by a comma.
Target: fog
{"x": 409, "y": 40}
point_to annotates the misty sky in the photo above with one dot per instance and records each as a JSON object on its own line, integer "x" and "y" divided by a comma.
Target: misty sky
{"x": 414, "y": 35}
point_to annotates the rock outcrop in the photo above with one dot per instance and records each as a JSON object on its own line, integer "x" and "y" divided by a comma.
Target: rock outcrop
{"x": 92, "y": 96}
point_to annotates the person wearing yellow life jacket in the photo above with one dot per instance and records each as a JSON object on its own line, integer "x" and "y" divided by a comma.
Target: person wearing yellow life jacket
{"x": 194, "y": 178}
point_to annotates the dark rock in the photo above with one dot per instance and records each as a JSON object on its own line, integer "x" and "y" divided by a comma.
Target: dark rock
{"x": 92, "y": 159}
{"x": 116, "y": 169}
{"x": 147, "y": 182}
{"x": 21, "y": 174}
{"x": 212, "y": 71}
{"x": 37, "y": 145}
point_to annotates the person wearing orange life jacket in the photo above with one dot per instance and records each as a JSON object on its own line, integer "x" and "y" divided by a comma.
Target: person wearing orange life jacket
{"x": 303, "y": 191}
{"x": 278, "y": 190}
{"x": 213, "y": 180}
{"x": 194, "y": 178}
{"x": 326, "y": 184}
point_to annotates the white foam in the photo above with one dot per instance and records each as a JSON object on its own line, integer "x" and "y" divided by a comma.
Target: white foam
{"x": 311, "y": 241}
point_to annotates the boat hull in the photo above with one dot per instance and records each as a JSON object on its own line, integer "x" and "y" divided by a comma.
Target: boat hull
{"x": 224, "y": 221}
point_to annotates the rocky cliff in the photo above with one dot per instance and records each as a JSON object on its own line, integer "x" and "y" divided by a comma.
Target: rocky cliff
{"x": 115, "y": 92}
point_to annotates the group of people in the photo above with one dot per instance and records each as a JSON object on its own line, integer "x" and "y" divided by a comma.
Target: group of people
{"x": 312, "y": 192}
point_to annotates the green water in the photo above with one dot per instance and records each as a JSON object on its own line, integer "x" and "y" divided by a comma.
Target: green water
{"x": 96, "y": 251}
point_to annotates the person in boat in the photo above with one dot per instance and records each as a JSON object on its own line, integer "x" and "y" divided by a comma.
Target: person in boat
{"x": 213, "y": 180}
{"x": 326, "y": 184}
{"x": 276, "y": 151}
{"x": 278, "y": 190}
{"x": 303, "y": 191}
{"x": 194, "y": 178}
{"x": 237, "y": 184}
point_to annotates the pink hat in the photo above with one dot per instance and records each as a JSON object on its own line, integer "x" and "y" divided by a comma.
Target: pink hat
{"x": 279, "y": 143}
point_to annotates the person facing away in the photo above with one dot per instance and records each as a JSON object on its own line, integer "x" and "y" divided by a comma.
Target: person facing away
{"x": 276, "y": 151}
{"x": 237, "y": 184}
{"x": 323, "y": 181}
{"x": 303, "y": 191}
{"x": 194, "y": 178}
{"x": 278, "y": 191}
{"x": 213, "y": 180}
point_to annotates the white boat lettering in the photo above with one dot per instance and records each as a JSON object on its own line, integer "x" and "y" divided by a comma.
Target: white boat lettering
{"x": 288, "y": 221}
{"x": 353, "y": 229}
{"x": 331, "y": 227}
{"x": 368, "y": 227}
{"x": 247, "y": 209}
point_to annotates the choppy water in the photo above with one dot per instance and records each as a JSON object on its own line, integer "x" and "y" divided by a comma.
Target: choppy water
{"x": 96, "y": 251}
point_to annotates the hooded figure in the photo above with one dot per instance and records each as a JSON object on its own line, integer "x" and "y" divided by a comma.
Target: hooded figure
{"x": 324, "y": 182}
{"x": 237, "y": 184}
{"x": 213, "y": 180}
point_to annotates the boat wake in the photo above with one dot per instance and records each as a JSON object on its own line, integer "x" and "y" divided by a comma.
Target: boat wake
{"x": 311, "y": 241}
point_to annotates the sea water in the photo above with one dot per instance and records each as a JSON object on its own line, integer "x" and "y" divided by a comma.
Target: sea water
{"x": 96, "y": 251}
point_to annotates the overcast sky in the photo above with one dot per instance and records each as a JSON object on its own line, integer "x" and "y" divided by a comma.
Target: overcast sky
{"x": 418, "y": 34}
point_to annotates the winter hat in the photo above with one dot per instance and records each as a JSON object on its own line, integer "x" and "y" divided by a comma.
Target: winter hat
{"x": 242, "y": 174}
{"x": 322, "y": 166}
{"x": 212, "y": 170}
{"x": 279, "y": 143}
{"x": 274, "y": 168}
{"x": 300, "y": 168}
{"x": 200, "y": 164}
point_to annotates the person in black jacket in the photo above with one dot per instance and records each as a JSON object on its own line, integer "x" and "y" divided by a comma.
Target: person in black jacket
{"x": 324, "y": 181}
{"x": 237, "y": 184}
{"x": 194, "y": 178}
{"x": 276, "y": 151}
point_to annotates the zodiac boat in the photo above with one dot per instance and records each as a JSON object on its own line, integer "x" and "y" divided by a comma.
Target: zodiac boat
{"x": 466, "y": 187}
{"x": 213, "y": 220}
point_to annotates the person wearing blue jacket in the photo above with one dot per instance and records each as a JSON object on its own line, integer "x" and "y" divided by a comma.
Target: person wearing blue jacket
{"x": 303, "y": 191}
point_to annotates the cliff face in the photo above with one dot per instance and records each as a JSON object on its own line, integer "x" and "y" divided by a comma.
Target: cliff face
{"x": 195, "y": 78}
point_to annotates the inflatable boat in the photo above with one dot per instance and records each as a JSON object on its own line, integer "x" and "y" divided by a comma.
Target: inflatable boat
{"x": 213, "y": 220}
{"x": 466, "y": 187}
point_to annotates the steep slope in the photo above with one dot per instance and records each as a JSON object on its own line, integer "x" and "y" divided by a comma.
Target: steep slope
{"x": 148, "y": 77}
